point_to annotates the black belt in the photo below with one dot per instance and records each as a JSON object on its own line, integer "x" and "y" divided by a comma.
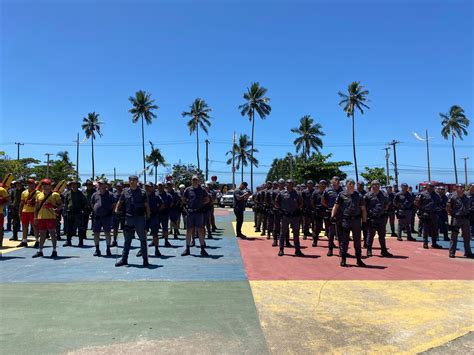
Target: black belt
{"x": 350, "y": 218}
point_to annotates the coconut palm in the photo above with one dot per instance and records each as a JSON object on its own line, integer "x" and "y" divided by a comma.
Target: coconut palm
{"x": 309, "y": 134}
{"x": 255, "y": 101}
{"x": 154, "y": 159}
{"x": 243, "y": 153}
{"x": 199, "y": 113}
{"x": 355, "y": 98}
{"x": 91, "y": 125}
{"x": 454, "y": 124}
{"x": 143, "y": 107}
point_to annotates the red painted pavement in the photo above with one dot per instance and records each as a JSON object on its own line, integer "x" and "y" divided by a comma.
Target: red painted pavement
{"x": 411, "y": 262}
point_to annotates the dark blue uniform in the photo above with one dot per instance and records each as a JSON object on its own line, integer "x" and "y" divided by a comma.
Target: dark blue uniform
{"x": 459, "y": 209}
{"x": 376, "y": 205}
{"x": 350, "y": 208}
{"x": 404, "y": 204}
{"x": 428, "y": 207}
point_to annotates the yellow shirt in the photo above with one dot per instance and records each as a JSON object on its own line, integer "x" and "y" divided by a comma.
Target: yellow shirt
{"x": 29, "y": 206}
{"x": 47, "y": 210}
{"x": 3, "y": 194}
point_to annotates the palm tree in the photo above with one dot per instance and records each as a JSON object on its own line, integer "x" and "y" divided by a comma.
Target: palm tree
{"x": 309, "y": 136}
{"x": 255, "y": 101}
{"x": 91, "y": 126}
{"x": 454, "y": 124}
{"x": 143, "y": 107}
{"x": 154, "y": 160}
{"x": 355, "y": 99}
{"x": 243, "y": 151}
{"x": 199, "y": 113}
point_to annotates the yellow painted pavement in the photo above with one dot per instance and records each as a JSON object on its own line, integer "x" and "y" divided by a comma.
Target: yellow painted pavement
{"x": 362, "y": 317}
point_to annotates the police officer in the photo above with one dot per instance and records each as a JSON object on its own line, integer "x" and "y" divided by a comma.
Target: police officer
{"x": 376, "y": 204}
{"x": 319, "y": 213}
{"x": 404, "y": 204}
{"x": 442, "y": 213}
{"x": 241, "y": 195}
{"x": 175, "y": 208}
{"x": 136, "y": 210}
{"x": 88, "y": 192}
{"x": 413, "y": 229}
{"x": 350, "y": 205}
{"x": 183, "y": 209}
{"x": 270, "y": 207}
{"x": 458, "y": 207}
{"x": 361, "y": 190}
{"x": 470, "y": 194}
{"x": 290, "y": 203}
{"x": 15, "y": 195}
{"x": 208, "y": 211}
{"x": 277, "y": 214}
{"x": 102, "y": 205}
{"x": 428, "y": 203}
{"x": 75, "y": 204}
{"x": 195, "y": 197}
{"x": 328, "y": 200}
{"x": 152, "y": 223}
{"x": 264, "y": 209}
{"x": 118, "y": 219}
{"x": 391, "y": 210}
{"x": 164, "y": 213}
{"x": 259, "y": 197}
{"x": 308, "y": 212}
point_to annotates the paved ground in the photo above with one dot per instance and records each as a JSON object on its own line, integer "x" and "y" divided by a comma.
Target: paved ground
{"x": 243, "y": 299}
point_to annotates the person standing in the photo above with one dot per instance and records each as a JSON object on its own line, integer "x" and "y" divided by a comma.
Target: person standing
{"x": 136, "y": 209}
{"x": 118, "y": 219}
{"x": 270, "y": 207}
{"x": 377, "y": 205}
{"x": 102, "y": 206}
{"x": 152, "y": 223}
{"x": 17, "y": 190}
{"x": 470, "y": 194}
{"x": 241, "y": 196}
{"x": 89, "y": 191}
{"x": 4, "y": 201}
{"x": 428, "y": 203}
{"x": 75, "y": 204}
{"x": 164, "y": 213}
{"x": 195, "y": 198}
{"x": 351, "y": 207}
{"x": 319, "y": 211}
{"x": 27, "y": 212}
{"x": 442, "y": 213}
{"x": 308, "y": 211}
{"x": 175, "y": 208}
{"x": 458, "y": 207}
{"x": 48, "y": 205}
{"x": 290, "y": 203}
{"x": 328, "y": 200}
{"x": 391, "y": 210}
{"x": 404, "y": 204}
{"x": 361, "y": 190}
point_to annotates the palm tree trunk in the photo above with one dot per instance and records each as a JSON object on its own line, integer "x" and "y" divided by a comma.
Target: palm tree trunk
{"x": 197, "y": 147}
{"x": 354, "y": 148}
{"x": 242, "y": 172}
{"x": 156, "y": 175}
{"x": 454, "y": 159}
{"x": 93, "y": 171}
{"x": 143, "y": 151}
{"x": 251, "y": 152}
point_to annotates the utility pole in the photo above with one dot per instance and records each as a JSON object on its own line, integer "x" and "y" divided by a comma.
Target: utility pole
{"x": 47, "y": 166}
{"x": 233, "y": 161}
{"x": 387, "y": 156}
{"x": 394, "y": 143}
{"x": 18, "y": 150}
{"x": 290, "y": 158}
{"x": 207, "y": 159}
{"x": 115, "y": 175}
{"x": 77, "y": 157}
{"x": 465, "y": 171}
{"x": 428, "y": 154}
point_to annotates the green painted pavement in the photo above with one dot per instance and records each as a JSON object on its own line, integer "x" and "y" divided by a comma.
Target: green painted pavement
{"x": 170, "y": 317}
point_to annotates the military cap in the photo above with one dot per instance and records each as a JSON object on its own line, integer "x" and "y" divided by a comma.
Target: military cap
{"x": 275, "y": 182}
{"x": 361, "y": 183}
{"x": 289, "y": 181}
{"x": 350, "y": 181}
{"x": 460, "y": 185}
{"x": 404, "y": 184}
{"x": 119, "y": 184}
{"x": 133, "y": 177}
{"x": 88, "y": 181}
{"x": 310, "y": 182}
{"x": 149, "y": 183}
{"x": 195, "y": 177}
{"x": 324, "y": 182}
{"x": 375, "y": 182}
{"x": 281, "y": 181}
{"x": 182, "y": 186}
{"x": 336, "y": 178}
{"x": 101, "y": 182}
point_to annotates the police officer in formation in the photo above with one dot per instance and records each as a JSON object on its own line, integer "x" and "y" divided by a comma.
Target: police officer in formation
{"x": 308, "y": 215}
{"x": 377, "y": 205}
{"x": 428, "y": 202}
{"x": 458, "y": 206}
{"x": 404, "y": 203}
{"x": 290, "y": 203}
{"x": 319, "y": 209}
{"x": 329, "y": 200}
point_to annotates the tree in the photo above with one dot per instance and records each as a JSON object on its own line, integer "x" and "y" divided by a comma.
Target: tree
{"x": 199, "y": 113}
{"x": 143, "y": 107}
{"x": 19, "y": 168}
{"x": 182, "y": 174}
{"x": 315, "y": 168}
{"x": 309, "y": 134}
{"x": 454, "y": 124}
{"x": 371, "y": 174}
{"x": 91, "y": 126}
{"x": 243, "y": 154}
{"x": 154, "y": 160}
{"x": 355, "y": 99}
{"x": 255, "y": 101}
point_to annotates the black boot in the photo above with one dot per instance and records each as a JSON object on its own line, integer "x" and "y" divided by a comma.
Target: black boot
{"x": 369, "y": 252}
{"x": 343, "y": 260}
{"x": 385, "y": 253}
{"x": 81, "y": 242}
{"x": 275, "y": 243}
{"x": 121, "y": 262}
{"x": 281, "y": 253}
{"x": 68, "y": 243}
{"x": 114, "y": 243}
{"x": 107, "y": 252}
{"x": 298, "y": 252}
{"x": 204, "y": 252}
{"x": 186, "y": 252}
{"x": 330, "y": 252}
{"x": 157, "y": 252}
{"x": 97, "y": 251}
{"x": 360, "y": 263}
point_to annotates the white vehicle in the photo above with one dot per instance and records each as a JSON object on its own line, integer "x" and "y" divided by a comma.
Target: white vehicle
{"x": 227, "y": 200}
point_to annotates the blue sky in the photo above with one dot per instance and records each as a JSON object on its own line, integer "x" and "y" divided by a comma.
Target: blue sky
{"x": 63, "y": 59}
